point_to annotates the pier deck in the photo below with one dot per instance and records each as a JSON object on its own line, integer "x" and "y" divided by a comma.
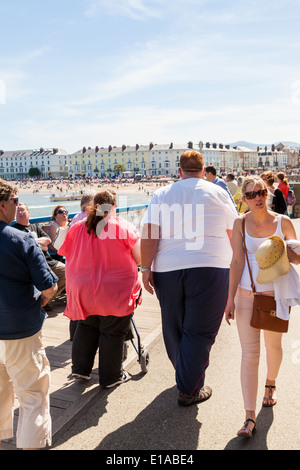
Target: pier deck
{"x": 69, "y": 397}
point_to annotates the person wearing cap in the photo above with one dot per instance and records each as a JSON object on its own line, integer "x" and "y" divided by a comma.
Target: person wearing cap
{"x": 185, "y": 257}
{"x": 27, "y": 284}
{"x": 265, "y": 232}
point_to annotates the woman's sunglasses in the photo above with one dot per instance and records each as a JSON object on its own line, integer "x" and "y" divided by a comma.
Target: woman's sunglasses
{"x": 253, "y": 194}
{"x": 60, "y": 211}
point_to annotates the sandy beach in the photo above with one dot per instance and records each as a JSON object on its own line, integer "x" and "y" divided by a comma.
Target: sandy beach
{"x": 69, "y": 187}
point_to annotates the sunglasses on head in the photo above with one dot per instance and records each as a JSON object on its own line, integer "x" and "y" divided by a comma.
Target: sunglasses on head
{"x": 253, "y": 194}
{"x": 61, "y": 211}
{"x": 15, "y": 199}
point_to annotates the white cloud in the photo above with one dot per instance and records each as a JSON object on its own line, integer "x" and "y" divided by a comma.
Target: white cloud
{"x": 134, "y": 9}
{"x": 143, "y": 124}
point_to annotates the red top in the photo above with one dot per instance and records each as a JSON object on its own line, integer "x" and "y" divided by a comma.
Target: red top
{"x": 101, "y": 273}
{"x": 284, "y": 188}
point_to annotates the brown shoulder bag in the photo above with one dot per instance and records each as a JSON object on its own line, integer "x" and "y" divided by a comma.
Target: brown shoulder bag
{"x": 264, "y": 306}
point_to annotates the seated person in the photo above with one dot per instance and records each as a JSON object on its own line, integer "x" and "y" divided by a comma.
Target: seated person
{"x": 58, "y": 230}
{"x": 43, "y": 240}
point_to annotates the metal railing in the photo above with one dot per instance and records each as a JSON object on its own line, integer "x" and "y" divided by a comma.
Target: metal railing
{"x": 133, "y": 214}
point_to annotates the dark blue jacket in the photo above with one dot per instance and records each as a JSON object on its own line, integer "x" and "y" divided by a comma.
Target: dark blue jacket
{"x": 24, "y": 273}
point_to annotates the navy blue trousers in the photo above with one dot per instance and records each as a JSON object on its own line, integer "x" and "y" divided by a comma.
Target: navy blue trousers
{"x": 192, "y": 305}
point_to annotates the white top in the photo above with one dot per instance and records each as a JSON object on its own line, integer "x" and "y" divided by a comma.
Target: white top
{"x": 60, "y": 235}
{"x": 252, "y": 245}
{"x": 286, "y": 288}
{"x": 194, "y": 216}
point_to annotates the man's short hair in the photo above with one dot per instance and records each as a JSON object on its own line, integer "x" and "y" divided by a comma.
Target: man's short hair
{"x": 23, "y": 204}
{"x": 7, "y": 190}
{"x": 211, "y": 169}
{"x": 192, "y": 161}
{"x": 230, "y": 176}
{"x": 87, "y": 198}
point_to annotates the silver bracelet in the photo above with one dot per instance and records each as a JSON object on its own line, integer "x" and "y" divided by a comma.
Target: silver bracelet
{"x": 145, "y": 269}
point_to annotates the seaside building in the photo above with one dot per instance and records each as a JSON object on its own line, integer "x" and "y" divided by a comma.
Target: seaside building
{"x": 110, "y": 161}
{"x": 271, "y": 159}
{"x": 292, "y": 154}
{"x": 164, "y": 159}
{"x": 226, "y": 159}
{"x": 152, "y": 159}
{"x": 16, "y": 164}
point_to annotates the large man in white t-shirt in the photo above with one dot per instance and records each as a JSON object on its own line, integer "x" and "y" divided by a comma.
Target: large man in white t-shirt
{"x": 186, "y": 253}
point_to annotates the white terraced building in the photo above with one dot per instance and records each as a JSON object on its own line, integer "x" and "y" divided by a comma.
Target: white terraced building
{"x": 16, "y": 164}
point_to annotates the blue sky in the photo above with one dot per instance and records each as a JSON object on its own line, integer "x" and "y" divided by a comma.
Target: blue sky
{"x": 77, "y": 73}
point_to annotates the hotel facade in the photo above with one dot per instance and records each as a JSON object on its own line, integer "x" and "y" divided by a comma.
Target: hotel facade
{"x": 145, "y": 160}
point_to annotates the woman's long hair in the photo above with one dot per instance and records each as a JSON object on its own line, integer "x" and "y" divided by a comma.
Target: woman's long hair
{"x": 103, "y": 202}
{"x": 282, "y": 178}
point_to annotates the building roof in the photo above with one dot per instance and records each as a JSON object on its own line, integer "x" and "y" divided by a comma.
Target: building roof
{"x": 32, "y": 153}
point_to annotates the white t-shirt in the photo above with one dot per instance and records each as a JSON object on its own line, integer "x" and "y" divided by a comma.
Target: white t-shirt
{"x": 194, "y": 216}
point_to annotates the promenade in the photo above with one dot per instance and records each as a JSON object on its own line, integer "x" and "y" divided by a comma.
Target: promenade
{"x": 143, "y": 413}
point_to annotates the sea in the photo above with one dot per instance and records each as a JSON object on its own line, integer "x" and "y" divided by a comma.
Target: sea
{"x": 40, "y": 205}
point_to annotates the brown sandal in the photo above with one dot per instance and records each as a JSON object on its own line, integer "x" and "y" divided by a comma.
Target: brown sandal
{"x": 268, "y": 402}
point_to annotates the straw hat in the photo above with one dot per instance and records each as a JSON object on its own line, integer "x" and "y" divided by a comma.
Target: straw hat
{"x": 272, "y": 260}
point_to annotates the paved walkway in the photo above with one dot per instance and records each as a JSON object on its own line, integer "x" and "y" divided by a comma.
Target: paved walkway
{"x": 143, "y": 413}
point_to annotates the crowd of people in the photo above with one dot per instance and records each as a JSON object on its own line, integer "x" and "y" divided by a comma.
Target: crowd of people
{"x": 191, "y": 253}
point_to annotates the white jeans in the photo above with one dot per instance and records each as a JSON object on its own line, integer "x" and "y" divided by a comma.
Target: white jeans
{"x": 25, "y": 371}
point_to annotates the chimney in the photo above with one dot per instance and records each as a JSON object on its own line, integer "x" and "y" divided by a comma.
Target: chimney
{"x": 123, "y": 147}
{"x": 190, "y": 145}
{"x": 109, "y": 148}
{"x": 96, "y": 149}
{"x": 137, "y": 147}
{"x": 171, "y": 146}
{"x": 151, "y": 146}
{"x": 83, "y": 150}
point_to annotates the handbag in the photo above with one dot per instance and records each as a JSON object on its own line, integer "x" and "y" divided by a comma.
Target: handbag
{"x": 264, "y": 306}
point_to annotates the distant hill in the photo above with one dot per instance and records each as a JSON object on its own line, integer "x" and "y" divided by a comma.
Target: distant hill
{"x": 252, "y": 146}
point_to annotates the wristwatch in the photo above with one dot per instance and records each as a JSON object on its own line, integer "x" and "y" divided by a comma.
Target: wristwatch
{"x": 144, "y": 269}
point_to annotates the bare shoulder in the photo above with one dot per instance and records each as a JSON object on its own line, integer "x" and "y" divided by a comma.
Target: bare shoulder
{"x": 238, "y": 223}
{"x": 288, "y": 228}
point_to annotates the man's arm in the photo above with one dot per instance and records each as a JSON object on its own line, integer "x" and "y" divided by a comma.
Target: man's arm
{"x": 48, "y": 294}
{"x": 149, "y": 244}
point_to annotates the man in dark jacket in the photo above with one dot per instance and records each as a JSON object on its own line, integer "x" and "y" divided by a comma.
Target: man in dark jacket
{"x": 26, "y": 285}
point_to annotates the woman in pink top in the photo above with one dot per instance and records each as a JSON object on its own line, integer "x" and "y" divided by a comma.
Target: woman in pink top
{"x": 102, "y": 286}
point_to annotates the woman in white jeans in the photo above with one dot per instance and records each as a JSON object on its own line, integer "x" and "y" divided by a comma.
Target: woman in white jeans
{"x": 260, "y": 223}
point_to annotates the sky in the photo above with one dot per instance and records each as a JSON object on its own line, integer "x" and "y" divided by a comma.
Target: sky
{"x": 77, "y": 73}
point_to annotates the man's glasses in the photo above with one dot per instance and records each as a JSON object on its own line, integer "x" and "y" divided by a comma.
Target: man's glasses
{"x": 61, "y": 211}
{"x": 253, "y": 194}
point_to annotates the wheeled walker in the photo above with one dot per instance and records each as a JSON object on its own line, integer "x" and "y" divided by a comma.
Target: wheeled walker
{"x": 143, "y": 355}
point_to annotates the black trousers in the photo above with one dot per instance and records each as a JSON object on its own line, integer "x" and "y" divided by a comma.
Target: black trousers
{"x": 192, "y": 305}
{"x": 107, "y": 333}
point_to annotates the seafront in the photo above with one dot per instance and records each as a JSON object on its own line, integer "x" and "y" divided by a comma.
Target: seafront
{"x": 143, "y": 413}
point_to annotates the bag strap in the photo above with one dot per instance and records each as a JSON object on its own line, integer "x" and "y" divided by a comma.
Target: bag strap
{"x": 246, "y": 253}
